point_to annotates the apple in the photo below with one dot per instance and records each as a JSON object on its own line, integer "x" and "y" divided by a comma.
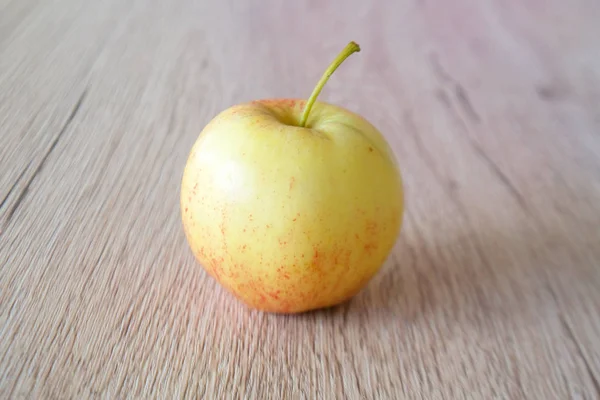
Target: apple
{"x": 292, "y": 205}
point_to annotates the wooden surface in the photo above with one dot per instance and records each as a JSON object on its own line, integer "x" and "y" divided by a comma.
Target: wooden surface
{"x": 492, "y": 108}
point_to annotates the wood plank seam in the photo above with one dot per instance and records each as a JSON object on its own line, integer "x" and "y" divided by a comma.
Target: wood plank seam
{"x": 21, "y": 196}
{"x": 466, "y": 105}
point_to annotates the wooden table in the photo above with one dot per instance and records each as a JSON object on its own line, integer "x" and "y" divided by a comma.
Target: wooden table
{"x": 492, "y": 109}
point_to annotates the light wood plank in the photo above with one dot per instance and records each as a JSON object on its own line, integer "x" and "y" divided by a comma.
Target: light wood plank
{"x": 491, "y": 109}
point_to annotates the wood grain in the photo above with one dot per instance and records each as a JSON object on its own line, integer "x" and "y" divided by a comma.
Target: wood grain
{"x": 491, "y": 107}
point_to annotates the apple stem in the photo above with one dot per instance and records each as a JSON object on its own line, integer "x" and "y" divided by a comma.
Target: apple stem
{"x": 352, "y": 47}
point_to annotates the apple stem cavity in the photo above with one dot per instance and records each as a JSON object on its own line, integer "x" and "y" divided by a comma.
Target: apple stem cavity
{"x": 351, "y": 48}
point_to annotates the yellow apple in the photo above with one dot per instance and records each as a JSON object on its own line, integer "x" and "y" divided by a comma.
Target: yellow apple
{"x": 291, "y": 205}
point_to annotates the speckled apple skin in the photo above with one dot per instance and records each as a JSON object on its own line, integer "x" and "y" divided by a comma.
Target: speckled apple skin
{"x": 291, "y": 219}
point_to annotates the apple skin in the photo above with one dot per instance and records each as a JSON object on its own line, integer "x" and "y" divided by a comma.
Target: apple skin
{"x": 287, "y": 218}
